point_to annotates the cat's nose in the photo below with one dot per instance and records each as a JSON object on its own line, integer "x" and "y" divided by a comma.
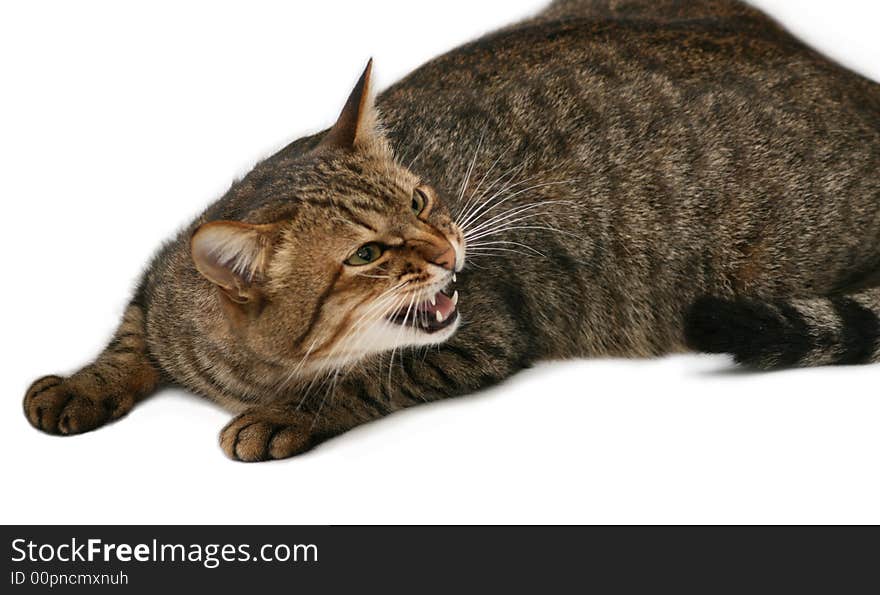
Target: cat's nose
{"x": 447, "y": 258}
{"x": 443, "y": 255}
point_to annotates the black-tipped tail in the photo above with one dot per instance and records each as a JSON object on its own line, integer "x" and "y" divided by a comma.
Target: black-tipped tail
{"x": 784, "y": 334}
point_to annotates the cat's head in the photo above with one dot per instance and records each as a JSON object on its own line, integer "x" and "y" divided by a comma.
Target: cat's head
{"x": 336, "y": 253}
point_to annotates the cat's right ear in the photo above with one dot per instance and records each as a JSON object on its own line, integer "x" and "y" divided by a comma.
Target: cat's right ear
{"x": 233, "y": 256}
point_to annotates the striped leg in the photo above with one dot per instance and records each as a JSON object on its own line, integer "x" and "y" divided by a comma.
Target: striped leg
{"x": 367, "y": 393}
{"x": 100, "y": 392}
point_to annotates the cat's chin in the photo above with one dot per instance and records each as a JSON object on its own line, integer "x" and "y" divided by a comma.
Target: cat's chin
{"x": 386, "y": 336}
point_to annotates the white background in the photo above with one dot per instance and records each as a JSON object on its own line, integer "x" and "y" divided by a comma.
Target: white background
{"x": 118, "y": 123}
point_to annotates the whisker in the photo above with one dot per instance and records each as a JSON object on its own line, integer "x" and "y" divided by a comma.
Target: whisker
{"x": 474, "y": 198}
{"x": 485, "y": 176}
{"x": 506, "y": 187}
{"x": 474, "y": 201}
{"x": 480, "y": 204}
{"x": 337, "y": 349}
{"x": 521, "y": 245}
{"x": 527, "y": 227}
{"x": 380, "y": 302}
{"x": 470, "y": 169}
{"x": 491, "y": 251}
{"x": 397, "y": 338}
{"x": 511, "y": 213}
{"x": 519, "y": 192}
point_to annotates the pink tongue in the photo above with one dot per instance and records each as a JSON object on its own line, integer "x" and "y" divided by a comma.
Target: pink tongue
{"x": 444, "y": 306}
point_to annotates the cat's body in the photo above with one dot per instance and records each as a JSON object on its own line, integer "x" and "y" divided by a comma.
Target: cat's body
{"x": 628, "y": 158}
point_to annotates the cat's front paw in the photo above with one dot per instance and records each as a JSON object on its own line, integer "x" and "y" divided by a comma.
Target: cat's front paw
{"x": 59, "y": 406}
{"x": 263, "y": 435}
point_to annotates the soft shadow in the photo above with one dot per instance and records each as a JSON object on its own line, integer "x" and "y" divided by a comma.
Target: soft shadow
{"x": 733, "y": 370}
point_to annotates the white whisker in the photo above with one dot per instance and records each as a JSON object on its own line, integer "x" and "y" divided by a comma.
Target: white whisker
{"x": 508, "y": 186}
{"x": 505, "y": 228}
{"x": 492, "y": 251}
{"x": 497, "y": 242}
{"x": 510, "y": 214}
{"x": 517, "y": 193}
{"x": 480, "y": 204}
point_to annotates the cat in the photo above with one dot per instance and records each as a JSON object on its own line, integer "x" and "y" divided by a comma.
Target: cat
{"x": 625, "y": 178}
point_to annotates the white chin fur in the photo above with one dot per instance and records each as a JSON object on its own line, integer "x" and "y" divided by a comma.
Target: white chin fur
{"x": 384, "y": 336}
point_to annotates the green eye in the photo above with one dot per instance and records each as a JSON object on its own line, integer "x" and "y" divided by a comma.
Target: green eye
{"x": 419, "y": 200}
{"x": 365, "y": 255}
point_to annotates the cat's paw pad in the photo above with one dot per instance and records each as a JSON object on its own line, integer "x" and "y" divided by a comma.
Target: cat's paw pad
{"x": 262, "y": 436}
{"x": 57, "y": 406}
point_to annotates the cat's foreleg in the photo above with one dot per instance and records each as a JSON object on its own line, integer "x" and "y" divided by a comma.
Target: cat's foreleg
{"x": 365, "y": 394}
{"x": 100, "y": 392}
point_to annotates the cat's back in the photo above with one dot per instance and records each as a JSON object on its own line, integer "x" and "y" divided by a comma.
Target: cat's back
{"x": 587, "y": 72}
{"x": 576, "y": 47}
{"x": 653, "y": 10}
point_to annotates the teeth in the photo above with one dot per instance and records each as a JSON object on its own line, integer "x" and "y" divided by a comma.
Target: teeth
{"x": 453, "y": 277}
{"x": 434, "y": 300}
{"x": 455, "y": 298}
{"x": 439, "y": 316}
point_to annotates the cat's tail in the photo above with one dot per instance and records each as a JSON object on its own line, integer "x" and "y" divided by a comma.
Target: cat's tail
{"x": 100, "y": 392}
{"x": 841, "y": 330}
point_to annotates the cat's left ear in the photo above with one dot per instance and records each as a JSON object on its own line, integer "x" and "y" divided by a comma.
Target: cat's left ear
{"x": 233, "y": 256}
{"x": 357, "y": 125}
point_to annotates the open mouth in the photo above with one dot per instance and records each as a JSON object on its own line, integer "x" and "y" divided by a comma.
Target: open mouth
{"x": 431, "y": 315}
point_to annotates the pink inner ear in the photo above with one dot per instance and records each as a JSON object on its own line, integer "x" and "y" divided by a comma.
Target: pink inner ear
{"x": 228, "y": 253}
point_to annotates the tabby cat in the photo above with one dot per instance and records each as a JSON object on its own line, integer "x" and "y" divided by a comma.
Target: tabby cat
{"x": 609, "y": 178}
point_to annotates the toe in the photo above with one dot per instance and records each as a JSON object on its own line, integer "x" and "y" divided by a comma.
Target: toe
{"x": 81, "y": 414}
{"x": 59, "y": 406}
{"x": 251, "y": 442}
{"x": 288, "y": 441}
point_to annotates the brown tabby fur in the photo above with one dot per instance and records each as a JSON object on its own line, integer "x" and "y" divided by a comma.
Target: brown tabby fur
{"x": 651, "y": 177}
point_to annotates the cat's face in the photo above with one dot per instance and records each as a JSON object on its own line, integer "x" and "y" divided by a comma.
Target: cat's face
{"x": 346, "y": 254}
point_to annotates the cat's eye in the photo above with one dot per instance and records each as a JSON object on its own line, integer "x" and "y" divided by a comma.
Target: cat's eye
{"x": 419, "y": 201}
{"x": 365, "y": 255}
